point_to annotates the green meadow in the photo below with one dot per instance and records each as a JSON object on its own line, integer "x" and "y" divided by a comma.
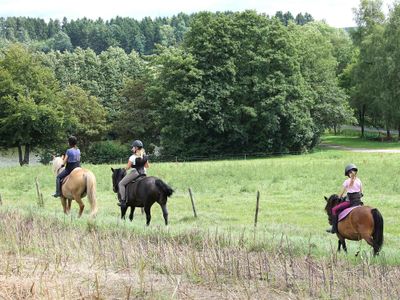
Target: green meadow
{"x": 292, "y": 190}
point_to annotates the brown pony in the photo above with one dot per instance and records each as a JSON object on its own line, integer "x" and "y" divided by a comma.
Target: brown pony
{"x": 362, "y": 222}
{"x": 78, "y": 184}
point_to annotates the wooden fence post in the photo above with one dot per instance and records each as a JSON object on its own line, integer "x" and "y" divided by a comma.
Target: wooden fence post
{"x": 39, "y": 194}
{"x": 191, "y": 199}
{"x": 257, "y": 206}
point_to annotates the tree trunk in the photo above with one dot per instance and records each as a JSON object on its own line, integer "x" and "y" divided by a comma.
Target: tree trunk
{"x": 20, "y": 155}
{"x": 398, "y": 133}
{"x": 24, "y": 158}
{"x": 27, "y": 153}
{"x": 362, "y": 119}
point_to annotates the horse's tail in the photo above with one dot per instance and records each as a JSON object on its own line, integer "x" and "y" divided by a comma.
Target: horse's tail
{"x": 378, "y": 230}
{"x": 165, "y": 188}
{"x": 91, "y": 192}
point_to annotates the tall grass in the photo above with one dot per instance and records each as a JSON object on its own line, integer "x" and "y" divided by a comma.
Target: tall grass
{"x": 219, "y": 253}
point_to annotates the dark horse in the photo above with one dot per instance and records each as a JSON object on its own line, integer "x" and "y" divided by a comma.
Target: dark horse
{"x": 143, "y": 193}
{"x": 362, "y": 222}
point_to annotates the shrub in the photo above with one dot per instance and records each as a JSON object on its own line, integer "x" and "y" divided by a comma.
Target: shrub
{"x": 106, "y": 152}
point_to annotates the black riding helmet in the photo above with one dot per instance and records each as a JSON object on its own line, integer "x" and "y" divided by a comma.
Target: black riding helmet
{"x": 350, "y": 167}
{"x": 137, "y": 143}
{"x": 72, "y": 140}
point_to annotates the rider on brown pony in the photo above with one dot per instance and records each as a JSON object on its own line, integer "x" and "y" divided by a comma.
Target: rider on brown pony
{"x": 353, "y": 187}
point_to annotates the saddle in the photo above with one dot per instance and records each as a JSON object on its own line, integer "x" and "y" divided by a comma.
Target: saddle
{"x": 66, "y": 178}
{"x": 137, "y": 178}
{"x": 355, "y": 201}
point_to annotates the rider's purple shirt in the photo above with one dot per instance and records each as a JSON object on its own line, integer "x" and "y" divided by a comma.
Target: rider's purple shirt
{"x": 74, "y": 155}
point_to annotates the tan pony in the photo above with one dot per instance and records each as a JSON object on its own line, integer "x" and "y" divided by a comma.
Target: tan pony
{"x": 75, "y": 186}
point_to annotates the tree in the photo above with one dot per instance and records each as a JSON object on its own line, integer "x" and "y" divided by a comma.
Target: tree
{"x": 177, "y": 106}
{"x": 387, "y": 69}
{"x": 329, "y": 102}
{"x": 30, "y": 113}
{"x": 365, "y": 90}
{"x": 61, "y": 42}
{"x": 86, "y": 117}
{"x": 137, "y": 115}
{"x": 235, "y": 84}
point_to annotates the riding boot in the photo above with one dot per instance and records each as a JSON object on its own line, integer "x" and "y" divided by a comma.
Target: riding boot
{"x": 58, "y": 188}
{"x": 334, "y": 228}
{"x": 335, "y": 224}
{"x": 122, "y": 203}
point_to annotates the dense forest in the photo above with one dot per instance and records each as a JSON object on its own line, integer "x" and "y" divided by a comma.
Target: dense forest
{"x": 189, "y": 85}
{"x": 126, "y": 33}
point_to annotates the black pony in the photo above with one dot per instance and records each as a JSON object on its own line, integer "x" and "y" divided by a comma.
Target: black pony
{"x": 143, "y": 193}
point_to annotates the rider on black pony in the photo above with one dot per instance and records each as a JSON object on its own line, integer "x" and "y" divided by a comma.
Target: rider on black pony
{"x": 138, "y": 161}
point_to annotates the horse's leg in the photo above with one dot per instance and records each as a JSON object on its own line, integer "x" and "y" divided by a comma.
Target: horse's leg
{"x": 369, "y": 240}
{"x": 344, "y": 246}
{"x": 148, "y": 216}
{"x": 64, "y": 204}
{"x": 123, "y": 211}
{"x": 81, "y": 205}
{"x": 69, "y": 205}
{"x": 132, "y": 212}
{"x": 165, "y": 212}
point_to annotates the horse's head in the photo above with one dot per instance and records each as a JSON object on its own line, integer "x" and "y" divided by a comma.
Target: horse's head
{"x": 117, "y": 175}
{"x": 57, "y": 164}
{"x": 330, "y": 203}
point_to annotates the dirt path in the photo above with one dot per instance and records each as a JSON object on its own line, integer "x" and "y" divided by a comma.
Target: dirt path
{"x": 362, "y": 150}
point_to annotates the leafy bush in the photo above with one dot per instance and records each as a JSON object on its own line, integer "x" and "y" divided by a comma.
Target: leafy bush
{"x": 106, "y": 152}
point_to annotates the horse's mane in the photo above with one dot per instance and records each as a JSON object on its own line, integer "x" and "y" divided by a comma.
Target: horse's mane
{"x": 57, "y": 163}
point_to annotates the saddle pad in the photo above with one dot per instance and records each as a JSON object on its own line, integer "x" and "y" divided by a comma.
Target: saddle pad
{"x": 343, "y": 214}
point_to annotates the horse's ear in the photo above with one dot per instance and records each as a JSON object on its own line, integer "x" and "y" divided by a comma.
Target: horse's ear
{"x": 326, "y": 199}
{"x": 53, "y": 156}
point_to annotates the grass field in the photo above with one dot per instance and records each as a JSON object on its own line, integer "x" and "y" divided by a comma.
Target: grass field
{"x": 218, "y": 255}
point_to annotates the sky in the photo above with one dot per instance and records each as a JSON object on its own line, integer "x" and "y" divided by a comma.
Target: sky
{"x": 337, "y": 13}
